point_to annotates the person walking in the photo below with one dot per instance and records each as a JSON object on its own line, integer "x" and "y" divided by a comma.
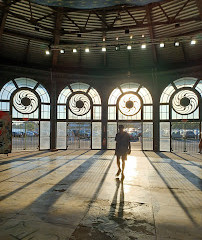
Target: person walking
{"x": 123, "y": 148}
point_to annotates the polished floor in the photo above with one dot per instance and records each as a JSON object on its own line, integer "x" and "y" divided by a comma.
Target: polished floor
{"x": 74, "y": 195}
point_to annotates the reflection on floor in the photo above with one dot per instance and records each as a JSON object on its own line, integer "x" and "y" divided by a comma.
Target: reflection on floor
{"x": 75, "y": 195}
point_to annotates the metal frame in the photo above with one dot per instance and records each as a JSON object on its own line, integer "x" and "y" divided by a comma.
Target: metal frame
{"x": 170, "y": 120}
{"x": 117, "y": 120}
{"x": 91, "y": 120}
{"x": 39, "y": 119}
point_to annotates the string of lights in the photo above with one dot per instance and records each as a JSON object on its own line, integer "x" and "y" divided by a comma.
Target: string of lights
{"x": 125, "y": 45}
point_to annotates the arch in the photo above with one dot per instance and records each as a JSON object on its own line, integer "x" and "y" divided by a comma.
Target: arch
{"x": 27, "y": 99}
{"x": 146, "y": 112}
{"x": 13, "y": 87}
{"x": 79, "y": 106}
{"x": 131, "y": 103}
{"x": 75, "y": 92}
{"x": 180, "y": 86}
{"x": 180, "y": 107}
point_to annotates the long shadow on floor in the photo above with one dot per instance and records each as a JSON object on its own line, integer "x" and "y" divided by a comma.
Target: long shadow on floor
{"x": 19, "y": 159}
{"x": 46, "y": 200}
{"x": 191, "y": 177}
{"x": 172, "y": 191}
{"x": 28, "y": 161}
{"x": 49, "y": 161}
{"x": 192, "y": 163}
{"x": 112, "y": 211}
{"x": 38, "y": 178}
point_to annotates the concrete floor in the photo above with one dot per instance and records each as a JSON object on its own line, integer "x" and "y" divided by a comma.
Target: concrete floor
{"x": 75, "y": 195}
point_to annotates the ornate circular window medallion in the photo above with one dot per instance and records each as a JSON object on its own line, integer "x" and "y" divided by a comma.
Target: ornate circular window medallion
{"x": 129, "y": 104}
{"x": 185, "y": 102}
{"x": 25, "y": 101}
{"x": 79, "y": 104}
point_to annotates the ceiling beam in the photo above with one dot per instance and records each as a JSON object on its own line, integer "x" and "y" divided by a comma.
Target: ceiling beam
{"x": 57, "y": 33}
{"x": 152, "y": 36}
{"x": 199, "y": 5}
{"x": 26, "y": 36}
{"x": 136, "y": 26}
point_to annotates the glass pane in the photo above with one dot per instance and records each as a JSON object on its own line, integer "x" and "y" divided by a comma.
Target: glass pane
{"x": 34, "y": 115}
{"x": 165, "y": 96}
{"x": 78, "y": 135}
{"x": 111, "y": 134}
{"x": 97, "y": 113}
{"x": 7, "y": 90}
{"x": 43, "y": 94}
{"x": 146, "y": 96}
{"x": 96, "y": 135}
{"x": 25, "y": 82}
{"x": 25, "y": 135}
{"x": 112, "y": 113}
{"x": 61, "y": 135}
{"x": 44, "y": 135}
{"x": 185, "y": 82}
{"x": 45, "y": 111}
{"x": 199, "y": 87}
{"x": 64, "y": 95}
{"x": 79, "y": 87}
{"x": 126, "y": 87}
{"x": 148, "y": 112}
{"x": 84, "y": 117}
{"x": 114, "y": 96}
{"x": 4, "y": 106}
{"x": 134, "y": 117}
{"x": 164, "y": 136}
{"x": 147, "y": 136}
{"x": 134, "y": 129}
{"x": 185, "y": 136}
{"x": 94, "y": 96}
{"x": 194, "y": 115}
{"x": 164, "y": 112}
{"x": 61, "y": 111}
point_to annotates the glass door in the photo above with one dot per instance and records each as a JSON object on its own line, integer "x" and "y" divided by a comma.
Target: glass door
{"x": 185, "y": 136}
{"x": 134, "y": 129}
{"x": 78, "y": 135}
{"x": 25, "y": 135}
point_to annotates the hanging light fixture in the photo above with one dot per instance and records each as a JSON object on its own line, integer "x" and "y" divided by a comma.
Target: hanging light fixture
{"x": 47, "y": 52}
{"x": 162, "y": 45}
{"x": 129, "y": 47}
{"x": 104, "y": 49}
{"x": 87, "y": 50}
{"x": 117, "y": 48}
{"x": 74, "y": 50}
{"x": 177, "y": 44}
{"x": 193, "y": 42}
{"x": 143, "y": 46}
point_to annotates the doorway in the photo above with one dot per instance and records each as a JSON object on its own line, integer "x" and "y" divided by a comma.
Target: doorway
{"x": 78, "y": 135}
{"x": 185, "y": 136}
{"x": 134, "y": 129}
{"x": 25, "y": 135}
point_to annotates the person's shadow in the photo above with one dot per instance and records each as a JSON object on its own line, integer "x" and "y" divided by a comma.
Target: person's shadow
{"x": 113, "y": 214}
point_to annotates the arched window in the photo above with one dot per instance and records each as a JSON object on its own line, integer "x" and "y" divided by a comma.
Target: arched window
{"x": 131, "y": 102}
{"x": 179, "y": 108}
{"x": 27, "y": 99}
{"x": 79, "y": 107}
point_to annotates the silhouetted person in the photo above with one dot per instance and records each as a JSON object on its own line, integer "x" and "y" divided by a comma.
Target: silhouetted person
{"x": 200, "y": 146}
{"x": 123, "y": 148}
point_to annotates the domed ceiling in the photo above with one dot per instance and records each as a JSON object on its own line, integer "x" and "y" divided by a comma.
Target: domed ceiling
{"x": 89, "y": 4}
